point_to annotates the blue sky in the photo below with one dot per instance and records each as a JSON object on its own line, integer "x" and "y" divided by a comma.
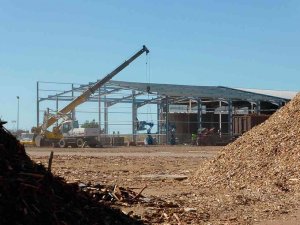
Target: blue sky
{"x": 251, "y": 44}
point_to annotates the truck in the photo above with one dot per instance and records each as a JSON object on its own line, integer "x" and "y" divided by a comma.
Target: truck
{"x": 68, "y": 133}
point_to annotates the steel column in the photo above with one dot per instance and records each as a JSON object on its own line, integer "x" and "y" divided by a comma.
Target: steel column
{"x": 258, "y": 108}
{"x": 99, "y": 111}
{"x": 57, "y": 109}
{"x": 105, "y": 114}
{"x": 230, "y": 117}
{"x": 134, "y": 117}
{"x": 73, "y": 111}
{"x": 167, "y": 120}
{"x": 37, "y": 105}
{"x": 199, "y": 113}
{"x": 220, "y": 118}
{"x": 158, "y": 123}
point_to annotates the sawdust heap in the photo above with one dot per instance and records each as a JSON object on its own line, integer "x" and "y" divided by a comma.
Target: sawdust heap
{"x": 30, "y": 194}
{"x": 260, "y": 168}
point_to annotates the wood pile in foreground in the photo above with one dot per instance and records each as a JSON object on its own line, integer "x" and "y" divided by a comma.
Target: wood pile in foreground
{"x": 258, "y": 175}
{"x": 30, "y": 194}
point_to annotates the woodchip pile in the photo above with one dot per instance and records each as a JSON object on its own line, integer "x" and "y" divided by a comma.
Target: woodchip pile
{"x": 258, "y": 175}
{"x": 30, "y": 194}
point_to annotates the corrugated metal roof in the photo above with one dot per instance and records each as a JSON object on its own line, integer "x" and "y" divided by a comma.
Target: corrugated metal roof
{"x": 275, "y": 93}
{"x": 204, "y": 92}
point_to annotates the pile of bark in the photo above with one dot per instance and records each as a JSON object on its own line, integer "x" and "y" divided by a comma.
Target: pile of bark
{"x": 259, "y": 173}
{"x": 113, "y": 193}
{"x": 30, "y": 194}
{"x": 156, "y": 210}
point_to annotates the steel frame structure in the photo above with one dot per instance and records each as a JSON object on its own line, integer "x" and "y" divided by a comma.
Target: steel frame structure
{"x": 160, "y": 95}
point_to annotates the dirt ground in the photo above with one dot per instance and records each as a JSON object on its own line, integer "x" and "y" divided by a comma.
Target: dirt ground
{"x": 127, "y": 166}
{"x": 164, "y": 170}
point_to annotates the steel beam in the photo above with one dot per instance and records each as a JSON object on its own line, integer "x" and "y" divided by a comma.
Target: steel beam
{"x": 150, "y": 101}
{"x": 95, "y": 99}
{"x": 124, "y": 98}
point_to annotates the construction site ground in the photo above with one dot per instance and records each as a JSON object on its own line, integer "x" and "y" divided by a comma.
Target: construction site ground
{"x": 162, "y": 170}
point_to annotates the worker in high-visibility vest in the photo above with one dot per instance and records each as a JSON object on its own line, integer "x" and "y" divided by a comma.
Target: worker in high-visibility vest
{"x": 194, "y": 138}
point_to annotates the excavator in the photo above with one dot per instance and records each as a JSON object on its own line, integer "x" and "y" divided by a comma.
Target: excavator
{"x": 56, "y": 137}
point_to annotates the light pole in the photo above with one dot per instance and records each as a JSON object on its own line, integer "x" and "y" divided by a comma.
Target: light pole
{"x": 18, "y": 114}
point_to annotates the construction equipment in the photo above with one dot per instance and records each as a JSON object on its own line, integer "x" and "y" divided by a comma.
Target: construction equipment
{"x": 206, "y": 136}
{"x": 27, "y": 139}
{"x": 172, "y": 130}
{"x": 211, "y": 137}
{"x": 77, "y": 137}
{"x": 64, "y": 134}
{"x": 141, "y": 125}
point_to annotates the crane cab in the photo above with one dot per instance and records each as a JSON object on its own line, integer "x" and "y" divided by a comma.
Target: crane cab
{"x": 68, "y": 126}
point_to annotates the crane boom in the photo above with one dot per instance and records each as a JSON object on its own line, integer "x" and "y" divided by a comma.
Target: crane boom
{"x": 91, "y": 90}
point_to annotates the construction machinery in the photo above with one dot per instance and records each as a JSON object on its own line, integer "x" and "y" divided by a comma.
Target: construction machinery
{"x": 27, "y": 139}
{"x": 77, "y": 137}
{"x": 67, "y": 133}
{"x": 172, "y": 133}
{"x": 144, "y": 125}
{"x": 206, "y": 136}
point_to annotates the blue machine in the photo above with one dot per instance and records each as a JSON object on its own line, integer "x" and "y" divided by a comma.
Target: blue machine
{"x": 143, "y": 125}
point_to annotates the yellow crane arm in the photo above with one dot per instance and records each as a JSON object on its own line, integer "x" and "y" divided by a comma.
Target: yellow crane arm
{"x": 91, "y": 90}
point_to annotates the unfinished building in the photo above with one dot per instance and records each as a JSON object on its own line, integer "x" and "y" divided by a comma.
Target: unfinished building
{"x": 179, "y": 110}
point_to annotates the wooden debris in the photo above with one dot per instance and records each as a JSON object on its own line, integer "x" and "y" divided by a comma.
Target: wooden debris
{"x": 177, "y": 218}
{"x": 139, "y": 194}
{"x": 163, "y": 177}
{"x": 50, "y": 161}
{"x": 30, "y": 194}
{"x": 259, "y": 170}
{"x": 190, "y": 209}
{"x": 35, "y": 175}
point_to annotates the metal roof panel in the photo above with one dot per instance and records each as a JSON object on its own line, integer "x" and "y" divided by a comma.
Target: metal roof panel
{"x": 207, "y": 92}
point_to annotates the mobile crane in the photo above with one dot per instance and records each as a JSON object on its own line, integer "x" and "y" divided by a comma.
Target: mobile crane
{"x": 56, "y": 137}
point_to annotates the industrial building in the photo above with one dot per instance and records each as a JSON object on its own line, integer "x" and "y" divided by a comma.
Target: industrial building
{"x": 179, "y": 110}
